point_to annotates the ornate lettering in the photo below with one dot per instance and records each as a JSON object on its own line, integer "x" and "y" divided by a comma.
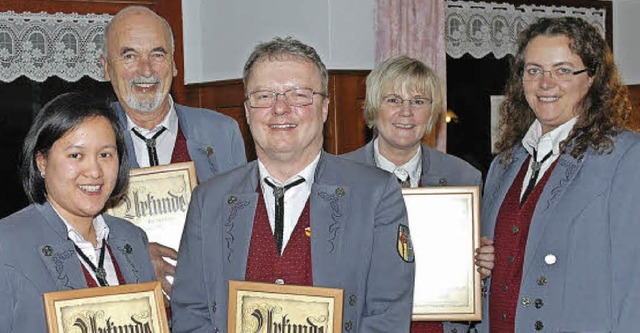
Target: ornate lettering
{"x": 95, "y": 326}
{"x": 149, "y": 205}
{"x": 276, "y": 323}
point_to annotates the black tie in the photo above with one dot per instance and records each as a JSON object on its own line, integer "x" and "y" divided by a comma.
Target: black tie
{"x": 535, "y": 171}
{"x": 405, "y": 183}
{"x": 278, "y": 193}
{"x": 151, "y": 144}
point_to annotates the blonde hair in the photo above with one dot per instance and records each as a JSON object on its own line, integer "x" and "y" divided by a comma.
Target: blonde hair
{"x": 409, "y": 75}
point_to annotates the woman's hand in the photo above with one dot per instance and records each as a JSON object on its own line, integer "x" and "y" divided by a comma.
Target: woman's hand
{"x": 485, "y": 257}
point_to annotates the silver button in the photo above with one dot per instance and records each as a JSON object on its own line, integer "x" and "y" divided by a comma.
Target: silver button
{"x": 279, "y": 281}
{"x": 550, "y": 259}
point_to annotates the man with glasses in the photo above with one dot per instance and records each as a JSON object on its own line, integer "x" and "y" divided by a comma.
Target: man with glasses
{"x": 138, "y": 60}
{"x": 297, "y": 215}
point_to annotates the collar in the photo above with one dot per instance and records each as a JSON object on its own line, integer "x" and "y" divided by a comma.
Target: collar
{"x": 413, "y": 166}
{"x": 170, "y": 121}
{"x": 308, "y": 173}
{"x": 101, "y": 227}
{"x": 550, "y": 141}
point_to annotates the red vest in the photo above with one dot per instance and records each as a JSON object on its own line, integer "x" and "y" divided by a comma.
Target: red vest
{"x": 426, "y": 327}
{"x": 91, "y": 282}
{"x": 265, "y": 264}
{"x": 510, "y": 237}
{"x": 180, "y": 152}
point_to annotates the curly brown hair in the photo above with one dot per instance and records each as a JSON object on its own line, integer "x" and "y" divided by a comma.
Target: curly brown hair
{"x": 605, "y": 109}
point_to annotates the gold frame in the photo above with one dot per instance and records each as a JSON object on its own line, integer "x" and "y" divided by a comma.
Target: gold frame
{"x": 101, "y": 303}
{"x": 447, "y": 287}
{"x": 284, "y": 298}
{"x": 150, "y": 204}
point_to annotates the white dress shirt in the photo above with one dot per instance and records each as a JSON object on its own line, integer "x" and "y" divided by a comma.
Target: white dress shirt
{"x": 295, "y": 198}
{"x": 413, "y": 167}
{"x": 102, "y": 232}
{"x": 550, "y": 142}
{"x": 164, "y": 143}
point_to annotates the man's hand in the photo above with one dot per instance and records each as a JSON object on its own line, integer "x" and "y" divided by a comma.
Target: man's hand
{"x": 485, "y": 257}
{"x": 162, "y": 267}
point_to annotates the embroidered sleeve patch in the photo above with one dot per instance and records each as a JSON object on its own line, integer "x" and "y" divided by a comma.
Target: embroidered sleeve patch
{"x": 404, "y": 245}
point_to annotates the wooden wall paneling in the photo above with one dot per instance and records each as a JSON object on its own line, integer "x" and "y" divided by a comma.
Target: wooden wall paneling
{"x": 66, "y": 6}
{"x": 226, "y": 97}
{"x": 345, "y": 128}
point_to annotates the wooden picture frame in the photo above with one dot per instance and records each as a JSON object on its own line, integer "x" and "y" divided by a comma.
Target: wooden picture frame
{"x": 253, "y": 306}
{"x": 157, "y": 200}
{"x": 120, "y": 308}
{"x": 445, "y": 231}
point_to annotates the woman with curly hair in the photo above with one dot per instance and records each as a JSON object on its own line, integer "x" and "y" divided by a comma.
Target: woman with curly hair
{"x": 561, "y": 198}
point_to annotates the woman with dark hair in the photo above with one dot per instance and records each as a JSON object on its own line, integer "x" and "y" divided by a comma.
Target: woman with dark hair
{"x": 73, "y": 161}
{"x": 561, "y": 198}
{"x": 403, "y": 101}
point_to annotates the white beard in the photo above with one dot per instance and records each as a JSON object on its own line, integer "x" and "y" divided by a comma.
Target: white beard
{"x": 145, "y": 105}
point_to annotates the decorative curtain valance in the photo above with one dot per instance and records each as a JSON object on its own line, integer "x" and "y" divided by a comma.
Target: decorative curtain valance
{"x": 41, "y": 45}
{"x": 480, "y": 28}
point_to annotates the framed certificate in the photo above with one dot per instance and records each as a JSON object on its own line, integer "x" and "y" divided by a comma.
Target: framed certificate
{"x": 265, "y": 307}
{"x": 126, "y": 308}
{"x": 445, "y": 231}
{"x": 157, "y": 200}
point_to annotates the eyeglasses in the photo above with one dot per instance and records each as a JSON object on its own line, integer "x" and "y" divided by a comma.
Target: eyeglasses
{"x": 560, "y": 73}
{"x": 397, "y": 102}
{"x": 293, "y": 97}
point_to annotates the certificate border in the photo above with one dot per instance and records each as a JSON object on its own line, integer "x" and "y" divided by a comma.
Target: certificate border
{"x": 236, "y": 286}
{"x": 190, "y": 167}
{"x": 168, "y": 170}
{"x": 473, "y": 193}
{"x": 95, "y": 294}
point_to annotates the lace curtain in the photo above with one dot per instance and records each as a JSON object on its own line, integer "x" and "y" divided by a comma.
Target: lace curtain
{"x": 41, "y": 45}
{"x": 481, "y": 28}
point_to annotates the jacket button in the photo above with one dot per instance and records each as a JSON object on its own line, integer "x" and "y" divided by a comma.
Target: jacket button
{"x": 340, "y": 191}
{"x": 348, "y": 325}
{"x": 128, "y": 248}
{"x": 505, "y": 288}
{"x": 214, "y": 307}
{"x": 526, "y": 302}
{"x": 352, "y": 300}
{"x": 550, "y": 259}
{"x": 454, "y": 330}
{"x": 538, "y": 303}
{"x": 504, "y": 315}
{"x": 215, "y": 330}
{"x": 542, "y": 281}
{"x": 510, "y": 259}
{"x": 47, "y": 250}
{"x": 538, "y": 325}
{"x": 442, "y": 182}
{"x": 515, "y": 229}
{"x": 231, "y": 200}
